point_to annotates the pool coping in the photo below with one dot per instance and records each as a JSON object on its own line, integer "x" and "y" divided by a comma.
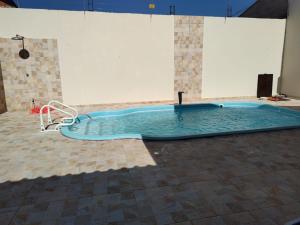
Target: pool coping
{"x": 121, "y": 112}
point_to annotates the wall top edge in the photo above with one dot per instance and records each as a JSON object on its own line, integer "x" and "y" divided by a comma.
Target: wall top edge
{"x": 74, "y": 12}
{"x": 86, "y": 13}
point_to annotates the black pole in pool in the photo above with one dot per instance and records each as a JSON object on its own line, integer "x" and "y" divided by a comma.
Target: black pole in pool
{"x": 180, "y": 97}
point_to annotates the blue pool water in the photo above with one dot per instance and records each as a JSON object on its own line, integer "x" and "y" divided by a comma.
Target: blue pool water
{"x": 171, "y": 122}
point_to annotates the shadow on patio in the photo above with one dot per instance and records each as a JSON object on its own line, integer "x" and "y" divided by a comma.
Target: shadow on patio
{"x": 240, "y": 179}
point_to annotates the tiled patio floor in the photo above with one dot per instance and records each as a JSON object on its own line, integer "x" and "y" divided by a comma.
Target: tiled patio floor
{"x": 241, "y": 179}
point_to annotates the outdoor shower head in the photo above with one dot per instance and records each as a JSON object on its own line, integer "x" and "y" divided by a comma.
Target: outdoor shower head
{"x": 17, "y": 38}
{"x": 23, "y": 53}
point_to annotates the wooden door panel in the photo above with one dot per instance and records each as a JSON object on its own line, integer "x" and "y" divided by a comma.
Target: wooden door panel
{"x": 264, "y": 85}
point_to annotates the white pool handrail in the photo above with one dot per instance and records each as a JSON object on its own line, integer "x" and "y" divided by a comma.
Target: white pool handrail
{"x": 72, "y": 116}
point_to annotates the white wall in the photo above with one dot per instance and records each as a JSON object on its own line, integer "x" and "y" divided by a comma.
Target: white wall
{"x": 104, "y": 58}
{"x": 236, "y": 50}
{"x": 114, "y": 58}
{"x": 291, "y": 61}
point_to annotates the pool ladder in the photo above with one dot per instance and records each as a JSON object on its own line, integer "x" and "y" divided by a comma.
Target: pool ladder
{"x": 69, "y": 120}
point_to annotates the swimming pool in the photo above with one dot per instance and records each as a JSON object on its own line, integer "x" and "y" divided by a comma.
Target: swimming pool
{"x": 173, "y": 122}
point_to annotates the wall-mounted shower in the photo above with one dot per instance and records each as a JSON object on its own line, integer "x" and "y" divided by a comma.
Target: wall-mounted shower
{"x": 23, "y": 53}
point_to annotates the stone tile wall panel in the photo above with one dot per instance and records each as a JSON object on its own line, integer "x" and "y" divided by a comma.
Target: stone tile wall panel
{"x": 188, "y": 39}
{"x": 2, "y": 94}
{"x": 35, "y": 78}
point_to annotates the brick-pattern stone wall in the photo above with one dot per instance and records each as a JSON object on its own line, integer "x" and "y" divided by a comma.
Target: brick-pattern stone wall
{"x": 188, "y": 39}
{"x": 2, "y": 94}
{"x": 37, "y": 77}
